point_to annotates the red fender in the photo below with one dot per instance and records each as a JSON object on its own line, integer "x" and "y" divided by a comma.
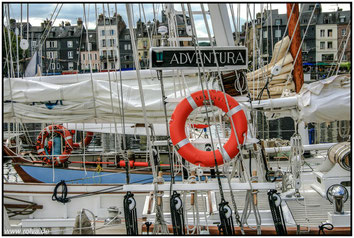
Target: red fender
{"x": 182, "y": 143}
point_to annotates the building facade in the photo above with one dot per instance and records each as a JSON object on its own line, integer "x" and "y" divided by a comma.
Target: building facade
{"x": 326, "y": 42}
{"x": 89, "y": 53}
{"x": 342, "y": 38}
{"x": 61, "y": 50}
{"x": 111, "y": 34}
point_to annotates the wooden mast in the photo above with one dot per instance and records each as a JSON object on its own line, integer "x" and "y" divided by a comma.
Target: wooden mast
{"x": 298, "y": 73}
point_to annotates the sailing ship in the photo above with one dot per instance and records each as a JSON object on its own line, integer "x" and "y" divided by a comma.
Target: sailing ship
{"x": 211, "y": 184}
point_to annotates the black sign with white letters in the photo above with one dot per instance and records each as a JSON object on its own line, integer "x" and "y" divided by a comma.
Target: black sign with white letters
{"x": 189, "y": 58}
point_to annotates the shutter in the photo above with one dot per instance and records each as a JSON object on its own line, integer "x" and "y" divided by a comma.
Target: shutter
{"x": 48, "y": 44}
{"x": 55, "y": 44}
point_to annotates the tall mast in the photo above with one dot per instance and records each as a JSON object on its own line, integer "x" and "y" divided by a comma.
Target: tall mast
{"x": 298, "y": 73}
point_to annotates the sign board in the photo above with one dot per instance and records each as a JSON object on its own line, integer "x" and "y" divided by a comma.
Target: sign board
{"x": 228, "y": 57}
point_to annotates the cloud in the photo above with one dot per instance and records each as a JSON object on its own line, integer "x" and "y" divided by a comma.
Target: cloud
{"x": 71, "y": 11}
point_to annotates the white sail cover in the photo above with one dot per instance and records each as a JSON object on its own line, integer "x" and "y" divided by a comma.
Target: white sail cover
{"x": 70, "y": 98}
{"x": 326, "y": 100}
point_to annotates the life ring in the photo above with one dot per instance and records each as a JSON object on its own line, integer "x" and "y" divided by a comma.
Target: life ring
{"x": 182, "y": 143}
{"x": 41, "y": 149}
{"x": 87, "y": 140}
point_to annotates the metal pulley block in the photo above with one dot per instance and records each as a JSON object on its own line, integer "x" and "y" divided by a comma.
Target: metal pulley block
{"x": 275, "y": 70}
{"x": 227, "y": 211}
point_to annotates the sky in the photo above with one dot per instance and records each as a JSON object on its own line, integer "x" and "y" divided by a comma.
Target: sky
{"x": 71, "y": 11}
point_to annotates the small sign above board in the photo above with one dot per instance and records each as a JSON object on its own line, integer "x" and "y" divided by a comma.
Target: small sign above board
{"x": 228, "y": 57}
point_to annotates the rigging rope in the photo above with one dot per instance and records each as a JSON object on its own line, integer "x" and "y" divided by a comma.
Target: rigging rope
{"x": 89, "y": 53}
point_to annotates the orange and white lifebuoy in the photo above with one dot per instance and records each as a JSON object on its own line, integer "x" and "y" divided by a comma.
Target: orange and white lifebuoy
{"x": 182, "y": 143}
{"x": 40, "y": 145}
{"x": 86, "y": 141}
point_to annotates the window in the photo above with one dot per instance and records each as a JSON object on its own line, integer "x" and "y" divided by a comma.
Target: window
{"x": 126, "y": 57}
{"x": 305, "y": 20}
{"x": 91, "y": 56}
{"x": 58, "y": 66}
{"x": 70, "y": 54}
{"x": 34, "y": 43}
{"x": 102, "y": 33}
{"x": 327, "y": 57}
{"x": 322, "y": 33}
{"x": 127, "y": 47}
{"x": 322, "y": 45}
{"x": 265, "y": 34}
{"x": 329, "y": 45}
{"x": 111, "y": 32}
{"x": 90, "y": 46}
{"x": 344, "y": 57}
{"x": 112, "y": 42}
{"x": 71, "y": 65}
{"x": 277, "y": 33}
{"x": 145, "y": 43}
{"x": 329, "y": 33}
{"x": 51, "y": 44}
{"x": 344, "y": 32}
{"x": 341, "y": 19}
{"x": 95, "y": 56}
{"x": 70, "y": 44}
{"x": 52, "y": 66}
{"x": 112, "y": 65}
{"x": 304, "y": 46}
{"x": 103, "y": 43}
{"x": 83, "y": 56}
{"x": 277, "y": 22}
{"x": 52, "y": 54}
{"x": 126, "y": 37}
{"x": 311, "y": 7}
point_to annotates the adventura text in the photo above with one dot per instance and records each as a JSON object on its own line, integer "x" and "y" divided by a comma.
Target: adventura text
{"x": 223, "y": 58}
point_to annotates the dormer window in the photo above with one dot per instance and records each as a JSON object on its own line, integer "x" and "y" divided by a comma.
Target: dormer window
{"x": 277, "y": 22}
{"x": 341, "y": 19}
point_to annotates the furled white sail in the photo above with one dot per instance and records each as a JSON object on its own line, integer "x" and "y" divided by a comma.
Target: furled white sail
{"x": 70, "y": 98}
{"x": 326, "y": 100}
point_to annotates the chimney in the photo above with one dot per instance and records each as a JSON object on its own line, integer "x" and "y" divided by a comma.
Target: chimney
{"x": 79, "y": 21}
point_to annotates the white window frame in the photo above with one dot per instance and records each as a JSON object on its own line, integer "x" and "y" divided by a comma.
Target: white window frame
{"x": 70, "y": 55}
{"x": 345, "y": 32}
{"x": 329, "y": 42}
{"x": 265, "y": 34}
{"x": 328, "y": 31}
{"x": 72, "y": 66}
{"x": 70, "y": 44}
